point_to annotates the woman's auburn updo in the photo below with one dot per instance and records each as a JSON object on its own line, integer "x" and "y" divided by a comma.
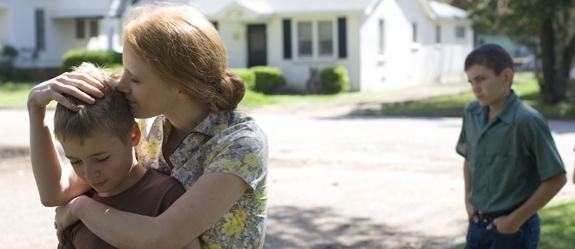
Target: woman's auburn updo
{"x": 179, "y": 44}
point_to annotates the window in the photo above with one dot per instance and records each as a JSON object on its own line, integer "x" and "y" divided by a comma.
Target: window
{"x": 94, "y": 30}
{"x": 40, "y": 29}
{"x": 437, "y": 34}
{"x": 460, "y": 32}
{"x": 80, "y": 28}
{"x": 325, "y": 35}
{"x": 381, "y": 36}
{"x": 414, "y": 32}
{"x": 317, "y": 38}
{"x": 305, "y": 38}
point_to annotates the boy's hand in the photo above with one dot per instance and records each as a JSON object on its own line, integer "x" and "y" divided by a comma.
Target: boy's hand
{"x": 80, "y": 86}
{"x": 506, "y": 225}
{"x": 64, "y": 218}
{"x": 470, "y": 211}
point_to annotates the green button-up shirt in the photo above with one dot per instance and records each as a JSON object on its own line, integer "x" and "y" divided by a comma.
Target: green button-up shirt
{"x": 508, "y": 157}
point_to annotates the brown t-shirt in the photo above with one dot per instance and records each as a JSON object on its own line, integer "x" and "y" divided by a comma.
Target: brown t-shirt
{"x": 150, "y": 196}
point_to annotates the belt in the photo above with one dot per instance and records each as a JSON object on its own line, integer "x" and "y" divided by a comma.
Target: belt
{"x": 493, "y": 215}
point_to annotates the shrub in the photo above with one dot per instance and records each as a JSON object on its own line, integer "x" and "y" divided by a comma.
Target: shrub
{"x": 333, "y": 80}
{"x": 8, "y": 55}
{"x": 247, "y": 76}
{"x": 267, "y": 79}
{"x": 10, "y": 52}
{"x": 103, "y": 58}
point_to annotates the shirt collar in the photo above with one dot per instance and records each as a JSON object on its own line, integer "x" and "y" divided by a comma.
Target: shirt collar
{"x": 214, "y": 123}
{"x": 506, "y": 115}
{"x": 211, "y": 125}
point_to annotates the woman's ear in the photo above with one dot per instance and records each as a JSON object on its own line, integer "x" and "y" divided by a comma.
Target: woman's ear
{"x": 135, "y": 134}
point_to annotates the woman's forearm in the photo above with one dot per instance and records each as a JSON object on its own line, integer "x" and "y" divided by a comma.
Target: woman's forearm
{"x": 119, "y": 229}
{"x": 186, "y": 219}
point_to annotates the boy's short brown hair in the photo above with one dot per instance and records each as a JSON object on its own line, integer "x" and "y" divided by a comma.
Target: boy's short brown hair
{"x": 110, "y": 114}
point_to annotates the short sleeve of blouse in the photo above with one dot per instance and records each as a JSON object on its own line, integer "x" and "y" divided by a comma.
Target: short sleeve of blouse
{"x": 244, "y": 156}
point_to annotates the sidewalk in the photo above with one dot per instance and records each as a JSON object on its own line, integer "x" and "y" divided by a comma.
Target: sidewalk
{"x": 362, "y": 101}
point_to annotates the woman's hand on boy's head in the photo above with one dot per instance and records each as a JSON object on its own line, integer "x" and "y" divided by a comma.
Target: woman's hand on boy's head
{"x": 78, "y": 85}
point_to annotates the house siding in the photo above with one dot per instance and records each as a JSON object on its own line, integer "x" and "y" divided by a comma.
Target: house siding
{"x": 404, "y": 62}
{"x": 59, "y": 26}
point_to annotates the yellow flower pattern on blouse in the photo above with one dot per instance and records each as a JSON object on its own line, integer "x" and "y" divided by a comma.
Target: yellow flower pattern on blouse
{"x": 224, "y": 142}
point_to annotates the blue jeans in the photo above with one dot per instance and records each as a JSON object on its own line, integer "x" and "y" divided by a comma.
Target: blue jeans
{"x": 479, "y": 237}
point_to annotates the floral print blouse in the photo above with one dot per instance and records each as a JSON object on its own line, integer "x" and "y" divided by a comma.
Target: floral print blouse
{"x": 224, "y": 142}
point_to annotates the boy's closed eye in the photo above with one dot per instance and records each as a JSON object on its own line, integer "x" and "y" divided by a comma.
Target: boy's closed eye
{"x": 102, "y": 159}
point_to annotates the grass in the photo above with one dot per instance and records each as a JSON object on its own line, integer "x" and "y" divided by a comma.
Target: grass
{"x": 525, "y": 86}
{"x": 558, "y": 226}
{"x": 14, "y": 95}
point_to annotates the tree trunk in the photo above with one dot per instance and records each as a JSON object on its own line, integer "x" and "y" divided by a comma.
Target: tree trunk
{"x": 555, "y": 65}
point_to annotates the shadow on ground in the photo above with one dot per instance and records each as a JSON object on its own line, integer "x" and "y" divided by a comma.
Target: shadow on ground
{"x": 321, "y": 228}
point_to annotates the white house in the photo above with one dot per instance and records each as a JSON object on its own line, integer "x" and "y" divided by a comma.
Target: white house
{"x": 382, "y": 43}
{"x": 43, "y": 30}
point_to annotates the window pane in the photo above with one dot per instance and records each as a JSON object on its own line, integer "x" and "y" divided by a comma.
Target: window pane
{"x": 437, "y": 34}
{"x": 94, "y": 31}
{"x": 460, "y": 32}
{"x": 40, "y": 30}
{"x": 304, "y": 36}
{"x": 80, "y": 29}
{"x": 325, "y": 30}
{"x": 381, "y": 31}
{"x": 414, "y": 32}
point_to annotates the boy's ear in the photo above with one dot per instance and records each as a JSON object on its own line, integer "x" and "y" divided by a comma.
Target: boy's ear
{"x": 135, "y": 135}
{"x": 508, "y": 76}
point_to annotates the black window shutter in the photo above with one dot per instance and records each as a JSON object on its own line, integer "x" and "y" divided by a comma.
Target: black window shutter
{"x": 287, "y": 38}
{"x": 342, "y": 37}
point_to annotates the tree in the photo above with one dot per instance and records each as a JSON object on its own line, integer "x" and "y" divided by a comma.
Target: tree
{"x": 545, "y": 26}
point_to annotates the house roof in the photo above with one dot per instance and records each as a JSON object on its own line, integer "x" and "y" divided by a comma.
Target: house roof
{"x": 433, "y": 9}
{"x": 213, "y": 7}
{"x": 446, "y": 11}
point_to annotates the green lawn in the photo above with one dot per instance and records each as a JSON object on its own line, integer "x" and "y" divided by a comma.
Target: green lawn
{"x": 452, "y": 105}
{"x": 558, "y": 227}
{"x": 14, "y": 95}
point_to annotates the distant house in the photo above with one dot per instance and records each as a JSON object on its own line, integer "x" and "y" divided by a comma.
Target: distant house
{"x": 382, "y": 43}
{"x": 523, "y": 58}
{"x": 42, "y": 31}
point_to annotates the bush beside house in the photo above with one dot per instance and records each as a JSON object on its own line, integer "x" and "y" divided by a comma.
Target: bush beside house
{"x": 334, "y": 80}
{"x": 267, "y": 79}
{"x": 7, "y": 56}
{"x": 247, "y": 76}
{"x": 103, "y": 58}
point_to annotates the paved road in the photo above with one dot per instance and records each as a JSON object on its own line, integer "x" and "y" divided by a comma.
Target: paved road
{"x": 335, "y": 182}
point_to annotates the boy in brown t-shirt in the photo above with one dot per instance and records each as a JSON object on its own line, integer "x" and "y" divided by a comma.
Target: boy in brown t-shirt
{"x": 98, "y": 140}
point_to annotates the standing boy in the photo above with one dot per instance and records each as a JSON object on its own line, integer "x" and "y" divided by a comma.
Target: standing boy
{"x": 98, "y": 140}
{"x": 512, "y": 167}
